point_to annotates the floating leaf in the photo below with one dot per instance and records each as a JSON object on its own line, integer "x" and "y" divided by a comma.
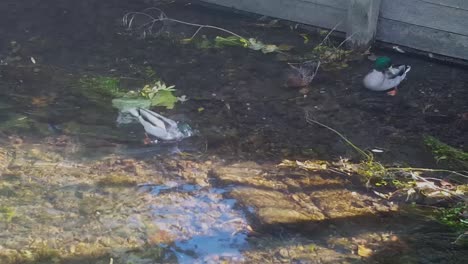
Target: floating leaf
{"x": 7, "y": 213}
{"x": 231, "y": 41}
{"x": 323, "y": 32}
{"x": 305, "y": 37}
{"x": 124, "y": 104}
{"x": 363, "y": 251}
{"x": 255, "y": 44}
{"x": 269, "y": 48}
{"x": 164, "y": 98}
{"x": 186, "y": 41}
{"x": 204, "y": 44}
{"x": 284, "y": 47}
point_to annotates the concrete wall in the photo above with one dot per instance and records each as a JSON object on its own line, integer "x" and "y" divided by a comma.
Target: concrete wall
{"x": 437, "y": 26}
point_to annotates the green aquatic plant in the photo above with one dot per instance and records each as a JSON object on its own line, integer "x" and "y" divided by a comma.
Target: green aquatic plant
{"x": 101, "y": 86}
{"x": 443, "y": 152}
{"x": 150, "y": 91}
{"x": 250, "y": 43}
{"x": 454, "y": 217}
{"x": 7, "y": 213}
{"x": 157, "y": 94}
{"x": 231, "y": 41}
{"x": 368, "y": 167}
{"x": 117, "y": 180}
{"x": 45, "y": 254}
{"x": 158, "y": 22}
{"x": 371, "y": 168}
{"x": 150, "y": 73}
{"x": 331, "y": 56}
{"x": 165, "y": 99}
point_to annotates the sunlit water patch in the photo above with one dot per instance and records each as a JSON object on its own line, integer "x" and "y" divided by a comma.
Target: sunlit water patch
{"x": 204, "y": 225}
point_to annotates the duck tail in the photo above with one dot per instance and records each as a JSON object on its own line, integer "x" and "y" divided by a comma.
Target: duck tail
{"x": 398, "y": 71}
{"x": 408, "y": 68}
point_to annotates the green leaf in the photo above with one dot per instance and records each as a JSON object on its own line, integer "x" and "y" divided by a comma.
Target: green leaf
{"x": 284, "y": 47}
{"x": 186, "y": 41}
{"x": 164, "y": 98}
{"x": 305, "y": 37}
{"x": 126, "y": 103}
{"x": 231, "y": 41}
{"x": 203, "y": 44}
{"x": 269, "y": 48}
{"x": 256, "y": 44}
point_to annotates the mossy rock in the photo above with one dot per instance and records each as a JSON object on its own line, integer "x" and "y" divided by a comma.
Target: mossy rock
{"x": 118, "y": 180}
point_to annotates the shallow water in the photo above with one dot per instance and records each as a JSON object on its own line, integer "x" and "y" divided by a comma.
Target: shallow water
{"x": 76, "y": 187}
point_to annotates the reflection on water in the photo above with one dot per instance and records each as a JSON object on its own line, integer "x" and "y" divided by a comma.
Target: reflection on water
{"x": 205, "y": 225}
{"x": 75, "y": 207}
{"x": 76, "y": 184}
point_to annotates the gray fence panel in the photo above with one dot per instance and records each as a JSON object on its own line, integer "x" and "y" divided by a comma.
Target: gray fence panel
{"x": 423, "y": 38}
{"x": 426, "y": 14}
{"x": 437, "y": 26}
{"x": 319, "y": 13}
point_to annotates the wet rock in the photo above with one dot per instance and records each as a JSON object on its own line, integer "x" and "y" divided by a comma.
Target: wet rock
{"x": 5, "y": 159}
{"x": 343, "y": 203}
{"x": 118, "y": 180}
{"x": 273, "y": 207}
{"x": 248, "y": 173}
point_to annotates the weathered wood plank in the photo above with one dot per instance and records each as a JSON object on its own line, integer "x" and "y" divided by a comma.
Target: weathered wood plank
{"x": 340, "y": 4}
{"x": 362, "y": 22}
{"x": 423, "y": 38}
{"x": 300, "y": 11}
{"x": 423, "y": 13}
{"x": 463, "y": 4}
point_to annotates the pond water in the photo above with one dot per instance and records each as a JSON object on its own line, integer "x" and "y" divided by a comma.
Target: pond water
{"x": 76, "y": 187}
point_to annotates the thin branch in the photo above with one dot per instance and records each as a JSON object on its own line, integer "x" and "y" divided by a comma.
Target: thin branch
{"x": 428, "y": 170}
{"x": 433, "y": 186}
{"x": 162, "y": 18}
{"x": 196, "y": 32}
{"x": 204, "y": 26}
{"x": 329, "y": 33}
{"x": 346, "y": 39}
{"x": 310, "y": 120}
{"x": 316, "y": 69}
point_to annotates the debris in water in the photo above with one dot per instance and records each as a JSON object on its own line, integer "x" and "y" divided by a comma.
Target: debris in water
{"x": 398, "y": 49}
{"x": 377, "y": 150}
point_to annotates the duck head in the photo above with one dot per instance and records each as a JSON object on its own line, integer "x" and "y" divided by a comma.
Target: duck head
{"x": 185, "y": 129}
{"x": 382, "y": 63}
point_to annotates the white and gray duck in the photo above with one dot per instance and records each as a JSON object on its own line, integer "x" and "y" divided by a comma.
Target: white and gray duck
{"x": 160, "y": 127}
{"x": 385, "y": 77}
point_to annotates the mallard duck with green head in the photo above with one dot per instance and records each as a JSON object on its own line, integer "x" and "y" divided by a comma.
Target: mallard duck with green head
{"x": 385, "y": 77}
{"x": 160, "y": 127}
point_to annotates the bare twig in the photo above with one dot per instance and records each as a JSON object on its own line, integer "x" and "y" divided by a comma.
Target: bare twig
{"x": 346, "y": 40}
{"x": 435, "y": 187}
{"x": 369, "y": 157}
{"x": 310, "y": 120}
{"x": 306, "y": 71}
{"x": 428, "y": 170}
{"x": 128, "y": 20}
{"x": 329, "y": 33}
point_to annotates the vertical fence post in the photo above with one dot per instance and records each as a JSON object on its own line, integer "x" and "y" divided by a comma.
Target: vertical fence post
{"x": 362, "y": 22}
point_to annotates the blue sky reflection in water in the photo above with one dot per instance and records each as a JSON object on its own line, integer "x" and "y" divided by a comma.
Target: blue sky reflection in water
{"x": 204, "y": 224}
